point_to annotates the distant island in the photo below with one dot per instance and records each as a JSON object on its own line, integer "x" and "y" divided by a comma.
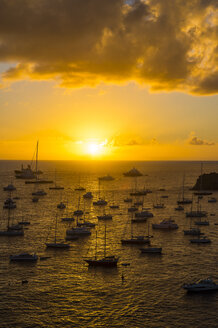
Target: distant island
{"x": 207, "y": 182}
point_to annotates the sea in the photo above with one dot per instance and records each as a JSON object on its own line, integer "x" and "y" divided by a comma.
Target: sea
{"x": 143, "y": 290}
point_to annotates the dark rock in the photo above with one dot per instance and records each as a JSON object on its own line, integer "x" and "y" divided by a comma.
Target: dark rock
{"x": 207, "y": 182}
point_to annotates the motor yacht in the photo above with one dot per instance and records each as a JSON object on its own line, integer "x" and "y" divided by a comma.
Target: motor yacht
{"x": 40, "y": 192}
{"x": 151, "y": 250}
{"x": 68, "y": 219}
{"x": 78, "y": 231}
{"x": 24, "y": 257}
{"x": 202, "y": 223}
{"x": 80, "y": 189}
{"x": 139, "y": 219}
{"x": 9, "y": 204}
{"x": 87, "y": 224}
{"x": 144, "y": 214}
{"x": 139, "y": 203}
{"x": 158, "y": 205}
{"x": 139, "y": 193}
{"x": 61, "y": 206}
{"x": 10, "y": 188}
{"x": 106, "y": 178}
{"x": 179, "y": 208}
{"x": 88, "y": 195}
{"x": 78, "y": 212}
{"x": 127, "y": 200}
{"x": 100, "y": 202}
{"x": 212, "y": 200}
{"x": 165, "y": 225}
{"x": 132, "y": 209}
{"x": 108, "y": 261}
{"x": 114, "y": 206}
{"x": 105, "y": 217}
{"x": 200, "y": 240}
{"x": 196, "y": 214}
{"x": 204, "y": 285}
{"x": 133, "y": 173}
{"x": 10, "y": 232}
{"x": 193, "y": 232}
{"x": 57, "y": 245}
{"x": 137, "y": 240}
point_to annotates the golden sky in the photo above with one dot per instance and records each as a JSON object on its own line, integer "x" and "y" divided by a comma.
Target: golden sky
{"x": 109, "y": 79}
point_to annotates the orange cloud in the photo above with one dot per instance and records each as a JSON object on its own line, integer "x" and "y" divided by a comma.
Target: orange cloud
{"x": 167, "y": 45}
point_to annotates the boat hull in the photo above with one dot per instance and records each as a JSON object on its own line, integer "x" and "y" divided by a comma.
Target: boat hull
{"x": 154, "y": 250}
{"x": 59, "y": 246}
{"x": 135, "y": 241}
{"x": 102, "y": 263}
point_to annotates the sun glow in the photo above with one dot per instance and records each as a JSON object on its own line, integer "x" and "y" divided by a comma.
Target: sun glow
{"x": 95, "y": 148}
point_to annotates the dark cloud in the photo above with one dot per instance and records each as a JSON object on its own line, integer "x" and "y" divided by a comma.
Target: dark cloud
{"x": 166, "y": 44}
{"x": 195, "y": 141}
{"x": 209, "y": 84}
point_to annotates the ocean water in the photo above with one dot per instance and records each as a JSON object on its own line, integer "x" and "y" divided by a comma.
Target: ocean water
{"x": 63, "y": 291}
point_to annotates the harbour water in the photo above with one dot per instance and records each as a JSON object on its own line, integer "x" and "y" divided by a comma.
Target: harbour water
{"x": 62, "y": 291}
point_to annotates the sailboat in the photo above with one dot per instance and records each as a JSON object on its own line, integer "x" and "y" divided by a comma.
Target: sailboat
{"x": 56, "y": 187}
{"x": 79, "y": 188}
{"x": 36, "y": 180}
{"x": 198, "y": 213}
{"x": 78, "y": 230}
{"x": 12, "y": 230}
{"x": 183, "y": 200}
{"x": 113, "y": 205}
{"x": 105, "y": 261}
{"x": 55, "y": 244}
{"x": 137, "y": 192}
{"x": 192, "y": 231}
{"x": 138, "y": 240}
{"x": 67, "y": 217}
{"x": 104, "y": 216}
{"x": 78, "y": 212}
{"x": 158, "y": 204}
{"x": 100, "y": 201}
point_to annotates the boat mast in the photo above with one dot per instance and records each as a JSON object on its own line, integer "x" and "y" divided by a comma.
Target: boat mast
{"x": 183, "y": 187}
{"x": 56, "y": 228}
{"x": 131, "y": 227}
{"x": 96, "y": 245}
{"x": 9, "y": 216}
{"x": 105, "y": 240}
{"x": 135, "y": 184}
{"x": 201, "y": 176}
{"x": 37, "y": 146}
{"x": 99, "y": 189}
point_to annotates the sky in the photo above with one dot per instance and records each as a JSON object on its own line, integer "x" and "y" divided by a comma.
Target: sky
{"x": 109, "y": 79}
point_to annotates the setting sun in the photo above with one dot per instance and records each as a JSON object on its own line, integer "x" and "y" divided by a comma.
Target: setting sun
{"x": 93, "y": 148}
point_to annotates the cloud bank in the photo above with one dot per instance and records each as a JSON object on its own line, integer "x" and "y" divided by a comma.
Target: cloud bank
{"x": 166, "y": 45}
